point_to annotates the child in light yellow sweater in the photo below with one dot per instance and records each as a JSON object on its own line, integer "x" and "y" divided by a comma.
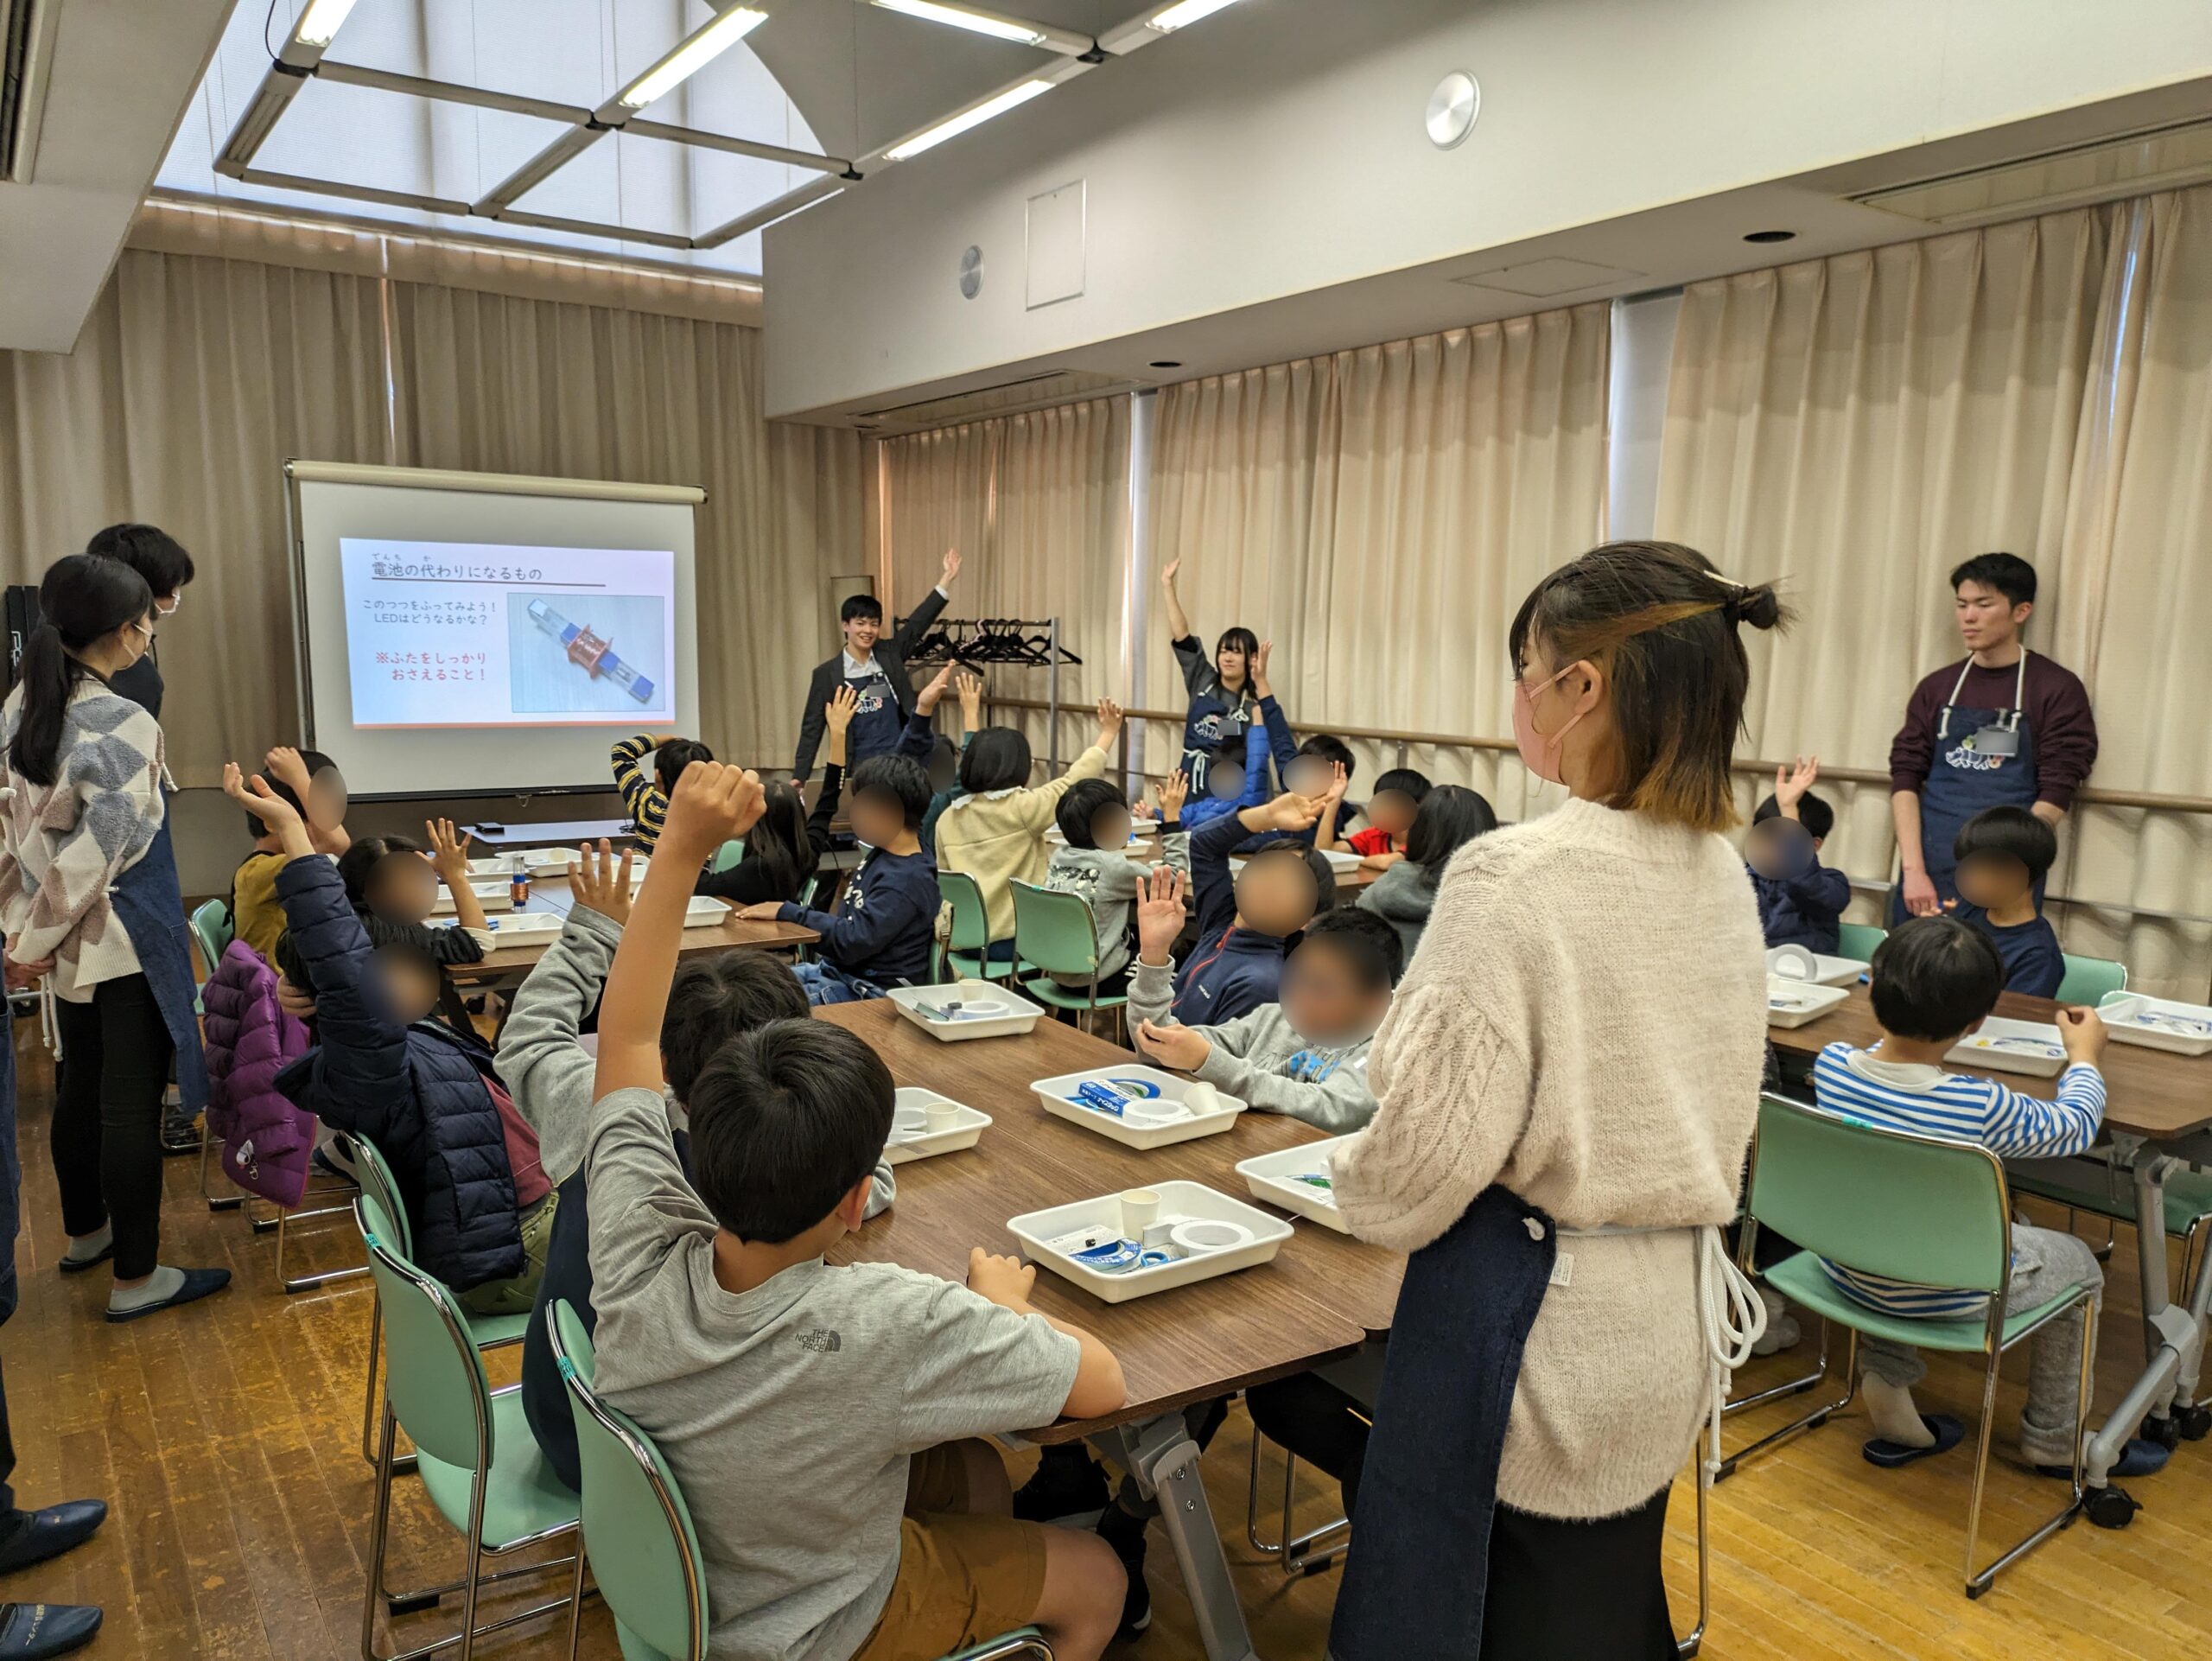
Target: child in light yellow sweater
{"x": 995, "y": 833}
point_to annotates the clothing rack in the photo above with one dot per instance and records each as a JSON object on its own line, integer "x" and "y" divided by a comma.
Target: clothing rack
{"x": 979, "y": 643}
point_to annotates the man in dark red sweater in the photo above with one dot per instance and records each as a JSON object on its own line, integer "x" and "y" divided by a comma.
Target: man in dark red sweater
{"x": 2005, "y": 728}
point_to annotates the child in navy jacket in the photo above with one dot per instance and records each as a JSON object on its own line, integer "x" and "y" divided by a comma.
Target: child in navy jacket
{"x": 1801, "y": 901}
{"x": 2004, "y": 854}
{"x": 1245, "y": 921}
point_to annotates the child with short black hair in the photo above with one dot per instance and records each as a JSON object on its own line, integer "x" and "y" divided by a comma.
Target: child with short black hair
{"x": 1802, "y": 901}
{"x": 2003, "y": 855}
{"x": 881, "y": 934}
{"x": 646, "y": 800}
{"x": 1449, "y": 817}
{"x": 311, "y": 783}
{"x": 869, "y": 1522}
{"x": 1933, "y": 980}
{"x": 1094, "y": 816}
{"x": 1305, "y": 1055}
{"x": 1247, "y": 919}
{"x": 714, "y": 999}
{"x": 1398, "y": 795}
{"x": 1322, "y": 767}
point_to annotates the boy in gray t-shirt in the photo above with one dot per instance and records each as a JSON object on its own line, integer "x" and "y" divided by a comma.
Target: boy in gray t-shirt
{"x": 816, "y": 1417}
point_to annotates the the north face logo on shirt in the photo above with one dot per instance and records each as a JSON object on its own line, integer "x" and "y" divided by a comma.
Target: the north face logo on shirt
{"x": 821, "y": 1342}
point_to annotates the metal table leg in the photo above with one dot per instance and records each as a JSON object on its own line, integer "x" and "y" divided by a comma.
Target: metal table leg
{"x": 1163, "y": 1460}
{"x": 2173, "y": 1336}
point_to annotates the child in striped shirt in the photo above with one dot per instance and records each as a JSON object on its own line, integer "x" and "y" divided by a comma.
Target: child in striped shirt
{"x": 1934, "y": 981}
{"x": 647, "y": 798}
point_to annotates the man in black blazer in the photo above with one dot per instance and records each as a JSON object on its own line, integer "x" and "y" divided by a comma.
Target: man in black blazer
{"x": 876, "y": 669}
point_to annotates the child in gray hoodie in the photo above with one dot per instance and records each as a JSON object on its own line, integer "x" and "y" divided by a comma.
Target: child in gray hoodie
{"x": 1095, "y": 818}
{"x": 1305, "y": 1056}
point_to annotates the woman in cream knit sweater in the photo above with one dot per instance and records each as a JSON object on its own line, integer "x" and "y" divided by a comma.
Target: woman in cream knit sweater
{"x": 1584, "y": 1024}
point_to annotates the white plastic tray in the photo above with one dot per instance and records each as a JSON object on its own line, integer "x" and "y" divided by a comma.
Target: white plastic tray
{"x": 495, "y": 865}
{"x": 498, "y": 895}
{"x": 1019, "y": 1013}
{"x": 911, "y": 1139}
{"x": 2004, "y": 1045}
{"x": 704, "y": 911}
{"x": 1274, "y": 1178}
{"x": 1792, "y": 1003}
{"x": 1146, "y": 1084}
{"x": 1179, "y": 1202}
{"x": 1796, "y": 962}
{"x": 2135, "y": 1019}
{"x": 522, "y": 927}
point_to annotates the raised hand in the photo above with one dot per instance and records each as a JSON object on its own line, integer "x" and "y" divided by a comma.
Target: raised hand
{"x": 1173, "y": 794}
{"x": 1110, "y": 722}
{"x": 287, "y": 767}
{"x": 1160, "y": 913}
{"x": 951, "y": 569}
{"x": 448, "y": 851}
{"x": 1174, "y": 1046}
{"x": 925, "y": 702}
{"x": 600, "y": 882}
{"x": 1790, "y": 784}
{"x": 1261, "y": 687}
{"x": 1167, "y": 571}
{"x": 1339, "y": 782}
{"x": 713, "y": 802}
{"x": 969, "y": 688}
{"x": 255, "y": 796}
{"x": 1288, "y": 811}
{"x": 837, "y": 714}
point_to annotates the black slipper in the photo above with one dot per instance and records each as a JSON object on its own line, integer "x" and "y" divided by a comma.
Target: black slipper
{"x": 69, "y": 1265}
{"x": 2141, "y": 1457}
{"x": 1890, "y": 1455}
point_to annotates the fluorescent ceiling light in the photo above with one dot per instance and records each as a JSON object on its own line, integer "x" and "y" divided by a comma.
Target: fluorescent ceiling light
{"x": 320, "y": 23}
{"x": 980, "y": 22}
{"x": 690, "y": 56}
{"x": 930, "y": 138}
{"x": 1184, "y": 11}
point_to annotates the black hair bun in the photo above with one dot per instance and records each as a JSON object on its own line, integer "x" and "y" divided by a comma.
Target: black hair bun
{"x": 1760, "y": 606}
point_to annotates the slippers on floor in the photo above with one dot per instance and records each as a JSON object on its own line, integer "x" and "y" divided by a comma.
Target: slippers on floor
{"x": 1890, "y": 1455}
{"x": 2139, "y": 1457}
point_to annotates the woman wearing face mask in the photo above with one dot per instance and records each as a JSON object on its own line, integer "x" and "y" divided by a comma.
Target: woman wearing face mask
{"x": 1562, "y": 1125}
{"x": 88, "y": 889}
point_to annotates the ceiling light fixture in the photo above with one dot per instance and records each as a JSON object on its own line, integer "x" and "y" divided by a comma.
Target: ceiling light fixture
{"x": 992, "y": 23}
{"x": 1184, "y": 13}
{"x": 320, "y": 23}
{"x": 974, "y": 116}
{"x": 690, "y": 56}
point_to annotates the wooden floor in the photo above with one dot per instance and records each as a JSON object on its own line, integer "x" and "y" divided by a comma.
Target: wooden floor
{"x": 225, "y": 1437}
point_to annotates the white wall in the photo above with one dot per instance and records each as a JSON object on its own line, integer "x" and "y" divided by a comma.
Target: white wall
{"x": 1277, "y": 149}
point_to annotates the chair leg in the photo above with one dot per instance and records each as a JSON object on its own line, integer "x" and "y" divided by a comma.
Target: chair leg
{"x": 226, "y": 1202}
{"x": 1813, "y": 1421}
{"x": 1795, "y": 1387}
{"x": 576, "y": 1601}
{"x": 1689, "y": 1645}
{"x": 380, "y": 1522}
{"x": 1297, "y": 1552}
{"x": 1976, "y": 1584}
{"x": 474, "y": 1563}
{"x": 376, "y": 1354}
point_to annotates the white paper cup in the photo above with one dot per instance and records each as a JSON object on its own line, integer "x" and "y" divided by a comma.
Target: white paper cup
{"x": 942, "y": 1116}
{"x": 1140, "y": 1211}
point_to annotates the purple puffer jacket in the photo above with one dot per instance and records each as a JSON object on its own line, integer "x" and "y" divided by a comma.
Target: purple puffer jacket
{"x": 266, "y": 1140}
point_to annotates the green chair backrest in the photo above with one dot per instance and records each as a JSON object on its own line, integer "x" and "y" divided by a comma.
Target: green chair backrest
{"x": 1912, "y": 1207}
{"x": 210, "y": 923}
{"x": 434, "y": 1376}
{"x": 638, "y": 1533}
{"x": 378, "y": 1180}
{"x": 972, "y": 923}
{"x": 728, "y": 855}
{"x": 1059, "y": 932}
{"x": 2088, "y": 980}
{"x": 1857, "y": 940}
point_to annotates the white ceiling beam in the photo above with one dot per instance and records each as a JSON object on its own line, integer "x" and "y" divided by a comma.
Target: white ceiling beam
{"x": 446, "y": 91}
{"x": 639, "y": 127}
{"x": 1053, "y": 75}
{"x": 593, "y": 228}
{"x": 536, "y": 170}
{"x": 794, "y": 201}
{"x": 994, "y": 25}
{"x": 352, "y": 192}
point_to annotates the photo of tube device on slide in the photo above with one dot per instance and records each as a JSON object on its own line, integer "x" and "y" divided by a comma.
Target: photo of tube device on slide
{"x": 599, "y": 653}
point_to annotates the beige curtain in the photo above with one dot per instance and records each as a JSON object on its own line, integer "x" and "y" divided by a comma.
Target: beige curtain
{"x": 1859, "y": 425}
{"x": 1038, "y": 505}
{"x": 1379, "y": 513}
{"x": 193, "y": 382}
{"x": 496, "y": 384}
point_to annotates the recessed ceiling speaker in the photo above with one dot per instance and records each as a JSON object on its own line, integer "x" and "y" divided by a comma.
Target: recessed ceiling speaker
{"x": 1453, "y": 108}
{"x": 971, "y": 272}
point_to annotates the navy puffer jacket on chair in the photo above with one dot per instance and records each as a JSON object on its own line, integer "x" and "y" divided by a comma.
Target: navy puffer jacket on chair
{"x": 416, "y": 1092}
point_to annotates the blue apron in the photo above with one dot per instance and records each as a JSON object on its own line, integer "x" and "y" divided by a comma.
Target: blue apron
{"x": 1415, "y": 1584}
{"x": 151, "y": 902}
{"x": 1983, "y": 759}
{"x": 877, "y": 722}
{"x": 1207, "y": 722}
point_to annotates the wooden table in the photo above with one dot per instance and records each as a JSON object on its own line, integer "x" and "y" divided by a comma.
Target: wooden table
{"x": 552, "y": 898}
{"x": 1322, "y": 1296}
{"x": 2158, "y": 1110}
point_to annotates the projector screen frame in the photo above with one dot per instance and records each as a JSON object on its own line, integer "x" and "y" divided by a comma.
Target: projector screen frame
{"x": 299, "y": 470}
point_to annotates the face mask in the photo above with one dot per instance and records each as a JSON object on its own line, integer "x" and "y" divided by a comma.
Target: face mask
{"x": 1539, "y": 754}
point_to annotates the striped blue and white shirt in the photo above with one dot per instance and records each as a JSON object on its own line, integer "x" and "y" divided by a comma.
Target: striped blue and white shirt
{"x": 1929, "y": 1102}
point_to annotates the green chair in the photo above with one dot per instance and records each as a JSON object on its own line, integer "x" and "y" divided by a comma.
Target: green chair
{"x": 728, "y": 855}
{"x": 490, "y": 1332}
{"x": 210, "y": 926}
{"x": 1857, "y": 940}
{"x": 2091, "y": 980}
{"x": 2101, "y": 1184}
{"x": 478, "y": 1463}
{"x": 1057, "y": 934}
{"x": 638, "y": 1533}
{"x": 968, "y": 952}
{"x": 1911, "y": 1207}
